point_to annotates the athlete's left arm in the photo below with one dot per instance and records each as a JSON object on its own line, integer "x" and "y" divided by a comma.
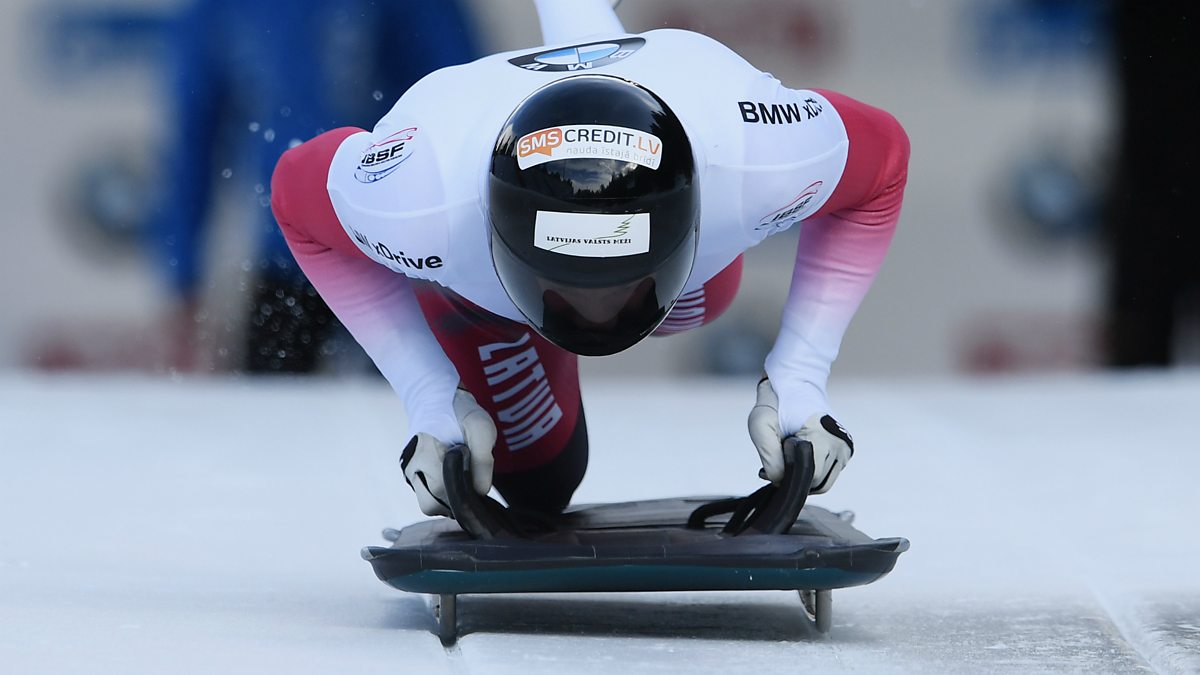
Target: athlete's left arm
{"x": 841, "y": 249}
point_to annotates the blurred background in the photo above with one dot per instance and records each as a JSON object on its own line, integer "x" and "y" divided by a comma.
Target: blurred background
{"x": 1044, "y": 227}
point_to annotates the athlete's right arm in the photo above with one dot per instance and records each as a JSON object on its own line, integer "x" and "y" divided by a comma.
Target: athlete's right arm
{"x": 377, "y": 305}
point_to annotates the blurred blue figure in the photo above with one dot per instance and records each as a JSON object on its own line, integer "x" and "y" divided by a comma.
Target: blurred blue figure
{"x": 250, "y": 79}
{"x": 1013, "y": 36}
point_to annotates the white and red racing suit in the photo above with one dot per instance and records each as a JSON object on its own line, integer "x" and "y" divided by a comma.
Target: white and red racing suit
{"x": 390, "y": 225}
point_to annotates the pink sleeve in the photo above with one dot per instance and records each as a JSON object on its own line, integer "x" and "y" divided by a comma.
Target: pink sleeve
{"x": 376, "y": 305}
{"x": 841, "y": 249}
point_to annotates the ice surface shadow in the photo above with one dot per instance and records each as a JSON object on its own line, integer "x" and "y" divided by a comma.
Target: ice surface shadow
{"x": 1019, "y": 634}
{"x": 1165, "y": 627}
{"x": 406, "y": 612}
{"x": 648, "y": 615}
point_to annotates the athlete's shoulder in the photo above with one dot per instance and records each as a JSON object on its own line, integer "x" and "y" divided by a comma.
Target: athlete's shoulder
{"x": 388, "y": 191}
{"x": 771, "y": 153}
{"x": 409, "y": 191}
{"x": 414, "y": 182}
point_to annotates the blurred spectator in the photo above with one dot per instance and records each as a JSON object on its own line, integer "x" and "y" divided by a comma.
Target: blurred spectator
{"x": 250, "y": 79}
{"x": 1155, "y": 246}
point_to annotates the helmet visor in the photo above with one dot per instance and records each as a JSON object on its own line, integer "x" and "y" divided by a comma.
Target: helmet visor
{"x": 600, "y": 319}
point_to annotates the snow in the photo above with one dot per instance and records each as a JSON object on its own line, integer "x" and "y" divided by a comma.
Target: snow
{"x": 213, "y": 525}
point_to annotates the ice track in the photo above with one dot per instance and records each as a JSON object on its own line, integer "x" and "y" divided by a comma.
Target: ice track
{"x": 210, "y": 526}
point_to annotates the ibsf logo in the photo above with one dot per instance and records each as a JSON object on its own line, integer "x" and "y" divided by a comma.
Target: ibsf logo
{"x": 381, "y": 159}
{"x": 544, "y": 142}
{"x": 783, "y": 218}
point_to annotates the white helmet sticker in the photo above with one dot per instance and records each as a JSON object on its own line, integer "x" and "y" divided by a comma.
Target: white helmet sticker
{"x": 572, "y": 141}
{"x": 592, "y": 235}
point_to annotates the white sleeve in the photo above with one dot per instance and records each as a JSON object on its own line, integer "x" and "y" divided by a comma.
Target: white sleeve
{"x": 838, "y": 256}
{"x": 380, "y": 310}
{"x": 377, "y": 305}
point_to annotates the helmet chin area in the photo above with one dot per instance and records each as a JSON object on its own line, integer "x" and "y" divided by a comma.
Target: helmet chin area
{"x": 595, "y": 320}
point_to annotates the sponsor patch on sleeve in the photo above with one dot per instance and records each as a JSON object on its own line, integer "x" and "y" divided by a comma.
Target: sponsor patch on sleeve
{"x": 592, "y": 235}
{"x": 383, "y": 157}
{"x": 796, "y": 210}
{"x": 572, "y": 141}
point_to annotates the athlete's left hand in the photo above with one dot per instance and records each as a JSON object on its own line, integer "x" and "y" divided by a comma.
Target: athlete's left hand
{"x": 832, "y": 445}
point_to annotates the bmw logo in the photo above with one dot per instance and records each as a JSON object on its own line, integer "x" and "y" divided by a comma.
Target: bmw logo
{"x": 579, "y": 57}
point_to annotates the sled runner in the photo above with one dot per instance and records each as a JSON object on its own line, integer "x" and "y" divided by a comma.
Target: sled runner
{"x": 767, "y": 541}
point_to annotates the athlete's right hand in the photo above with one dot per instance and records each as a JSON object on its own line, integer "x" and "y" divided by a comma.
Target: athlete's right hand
{"x": 832, "y": 445}
{"x": 422, "y": 457}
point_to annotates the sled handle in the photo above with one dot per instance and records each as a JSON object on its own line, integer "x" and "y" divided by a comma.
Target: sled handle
{"x": 787, "y": 499}
{"x": 479, "y": 515}
{"x": 772, "y": 509}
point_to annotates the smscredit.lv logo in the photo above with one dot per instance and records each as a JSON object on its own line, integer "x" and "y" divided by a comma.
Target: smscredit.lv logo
{"x": 544, "y": 142}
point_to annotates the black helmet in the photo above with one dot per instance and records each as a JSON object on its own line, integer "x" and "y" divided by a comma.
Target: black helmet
{"x": 594, "y": 208}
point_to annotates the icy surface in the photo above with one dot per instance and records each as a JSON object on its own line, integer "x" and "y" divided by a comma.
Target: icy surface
{"x": 214, "y": 526}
